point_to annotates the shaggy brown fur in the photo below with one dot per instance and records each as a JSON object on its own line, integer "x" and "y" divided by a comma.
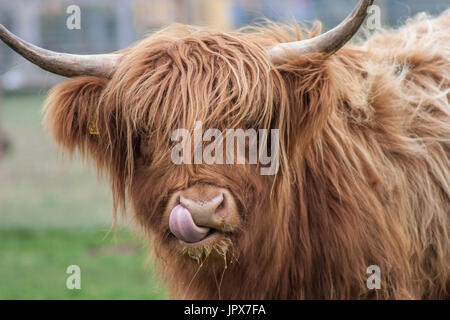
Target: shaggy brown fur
{"x": 365, "y": 157}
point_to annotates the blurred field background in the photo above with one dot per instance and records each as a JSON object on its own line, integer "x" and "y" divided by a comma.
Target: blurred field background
{"x": 53, "y": 212}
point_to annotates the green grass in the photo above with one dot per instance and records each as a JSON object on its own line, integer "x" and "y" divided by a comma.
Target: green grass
{"x": 33, "y": 265}
{"x": 54, "y": 213}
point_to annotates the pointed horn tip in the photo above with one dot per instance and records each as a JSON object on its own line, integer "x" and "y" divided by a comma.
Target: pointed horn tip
{"x": 63, "y": 64}
{"x": 326, "y": 43}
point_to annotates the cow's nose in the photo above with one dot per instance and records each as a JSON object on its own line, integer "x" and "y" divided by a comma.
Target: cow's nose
{"x": 201, "y": 211}
{"x": 207, "y": 212}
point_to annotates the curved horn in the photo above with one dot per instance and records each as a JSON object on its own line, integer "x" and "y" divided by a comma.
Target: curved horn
{"x": 64, "y": 64}
{"x": 328, "y": 42}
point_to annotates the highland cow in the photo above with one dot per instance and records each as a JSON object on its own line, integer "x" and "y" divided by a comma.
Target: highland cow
{"x": 364, "y": 154}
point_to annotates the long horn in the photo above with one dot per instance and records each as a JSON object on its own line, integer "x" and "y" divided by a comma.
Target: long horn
{"x": 64, "y": 64}
{"x": 328, "y": 42}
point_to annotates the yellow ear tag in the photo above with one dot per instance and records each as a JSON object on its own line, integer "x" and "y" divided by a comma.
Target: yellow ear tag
{"x": 92, "y": 127}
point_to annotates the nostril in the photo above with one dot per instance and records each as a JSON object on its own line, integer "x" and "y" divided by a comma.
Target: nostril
{"x": 217, "y": 203}
{"x": 221, "y": 205}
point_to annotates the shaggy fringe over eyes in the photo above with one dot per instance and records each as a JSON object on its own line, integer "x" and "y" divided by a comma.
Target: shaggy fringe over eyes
{"x": 185, "y": 74}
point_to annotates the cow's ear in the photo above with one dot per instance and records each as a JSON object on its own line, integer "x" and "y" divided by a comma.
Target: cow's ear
{"x": 71, "y": 114}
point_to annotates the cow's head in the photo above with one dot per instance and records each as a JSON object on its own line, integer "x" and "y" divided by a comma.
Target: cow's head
{"x": 122, "y": 110}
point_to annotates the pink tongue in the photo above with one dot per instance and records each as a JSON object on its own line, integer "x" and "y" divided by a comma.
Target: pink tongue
{"x": 183, "y": 226}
